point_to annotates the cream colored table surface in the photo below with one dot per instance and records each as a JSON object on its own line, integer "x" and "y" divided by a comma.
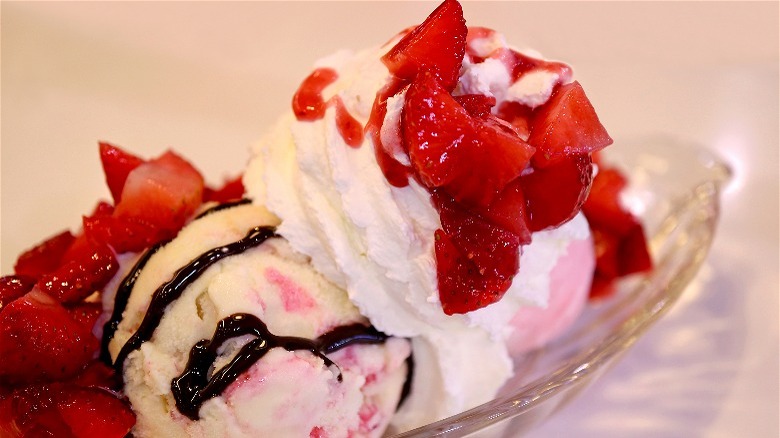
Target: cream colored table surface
{"x": 208, "y": 78}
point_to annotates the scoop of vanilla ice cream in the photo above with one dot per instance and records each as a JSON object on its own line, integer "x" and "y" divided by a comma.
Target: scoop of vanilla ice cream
{"x": 284, "y": 393}
{"x": 377, "y": 241}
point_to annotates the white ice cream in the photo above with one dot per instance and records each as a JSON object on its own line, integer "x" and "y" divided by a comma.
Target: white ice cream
{"x": 376, "y": 241}
{"x": 284, "y": 393}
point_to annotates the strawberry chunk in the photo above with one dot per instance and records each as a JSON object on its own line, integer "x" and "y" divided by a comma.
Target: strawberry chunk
{"x": 117, "y": 165}
{"x": 40, "y": 341}
{"x": 231, "y": 190}
{"x": 603, "y": 207}
{"x": 122, "y": 234}
{"x": 85, "y": 314}
{"x": 162, "y": 193}
{"x": 436, "y": 46}
{"x": 473, "y": 159}
{"x": 94, "y": 412}
{"x": 476, "y": 260}
{"x": 64, "y": 411}
{"x": 478, "y": 105}
{"x": 81, "y": 276}
{"x": 566, "y": 125}
{"x": 556, "y": 193}
{"x": 44, "y": 257}
{"x": 13, "y": 287}
{"x": 509, "y": 211}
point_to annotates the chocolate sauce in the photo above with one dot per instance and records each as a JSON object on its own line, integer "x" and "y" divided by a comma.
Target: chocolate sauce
{"x": 120, "y": 301}
{"x": 172, "y": 290}
{"x": 224, "y": 206}
{"x": 193, "y": 386}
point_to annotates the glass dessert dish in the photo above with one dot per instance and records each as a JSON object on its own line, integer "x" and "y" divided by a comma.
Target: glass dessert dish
{"x": 675, "y": 189}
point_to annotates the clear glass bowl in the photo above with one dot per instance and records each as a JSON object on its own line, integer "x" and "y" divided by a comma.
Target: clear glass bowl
{"x": 675, "y": 189}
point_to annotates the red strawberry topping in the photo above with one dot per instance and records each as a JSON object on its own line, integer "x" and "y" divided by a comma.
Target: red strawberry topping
{"x": 473, "y": 159}
{"x": 162, "y": 193}
{"x": 556, "y": 193}
{"x": 436, "y": 46}
{"x": 117, "y": 165}
{"x": 81, "y": 276}
{"x": 13, "y": 287}
{"x": 566, "y": 125}
{"x": 40, "y": 341}
{"x": 44, "y": 257}
{"x": 231, "y": 190}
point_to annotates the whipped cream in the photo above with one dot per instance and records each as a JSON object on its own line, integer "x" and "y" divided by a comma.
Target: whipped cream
{"x": 377, "y": 241}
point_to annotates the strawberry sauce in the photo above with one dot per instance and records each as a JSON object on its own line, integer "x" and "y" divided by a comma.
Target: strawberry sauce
{"x": 308, "y": 104}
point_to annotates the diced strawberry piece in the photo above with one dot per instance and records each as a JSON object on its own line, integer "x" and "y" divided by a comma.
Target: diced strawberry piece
{"x": 122, "y": 234}
{"x": 518, "y": 115}
{"x": 102, "y": 209}
{"x": 81, "y": 276}
{"x": 94, "y": 412}
{"x": 476, "y": 260}
{"x": 509, "y": 211}
{"x": 633, "y": 255}
{"x": 85, "y": 313}
{"x": 232, "y": 190}
{"x": 606, "y": 250}
{"x": 162, "y": 193}
{"x": 566, "y": 125}
{"x": 32, "y": 412}
{"x": 40, "y": 341}
{"x": 436, "y": 46}
{"x": 117, "y": 165}
{"x": 64, "y": 411}
{"x": 13, "y": 287}
{"x": 471, "y": 158}
{"x": 556, "y": 193}
{"x": 603, "y": 207}
{"x": 44, "y": 257}
{"x": 477, "y": 105}
{"x": 601, "y": 288}
{"x": 99, "y": 375}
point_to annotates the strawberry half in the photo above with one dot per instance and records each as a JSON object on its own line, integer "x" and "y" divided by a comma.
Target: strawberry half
{"x": 472, "y": 158}
{"x": 566, "y": 125}
{"x": 436, "y": 46}
{"x": 94, "y": 412}
{"x": 40, "y": 341}
{"x": 117, "y": 165}
{"x": 13, "y": 287}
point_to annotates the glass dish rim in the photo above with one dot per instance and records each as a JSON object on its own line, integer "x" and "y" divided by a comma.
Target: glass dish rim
{"x": 704, "y": 194}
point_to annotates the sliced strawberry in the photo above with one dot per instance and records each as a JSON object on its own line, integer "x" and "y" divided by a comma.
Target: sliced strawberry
{"x": 117, "y": 165}
{"x": 32, "y": 412}
{"x": 162, "y": 193}
{"x": 45, "y": 257}
{"x": 64, "y": 411}
{"x": 40, "y": 341}
{"x": 509, "y": 211}
{"x": 471, "y": 158}
{"x": 606, "y": 246}
{"x": 13, "y": 287}
{"x": 556, "y": 193}
{"x": 603, "y": 207}
{"x": 633, "y": 255}
{"x": 94, "y": 412}
{"x": 85, "y": 313}
{"x": 566, "y": 125}
{"x": 99, "y": 375}
{"x": 477, "y": 105}
{"x": 81, "y": 276}
{"x": 518, "y": 115}
{"x": 231, "y": 190}
{"x": 122, "y": 234}
{"x": 475, "y": 258}
{"x": 436, "y": 46}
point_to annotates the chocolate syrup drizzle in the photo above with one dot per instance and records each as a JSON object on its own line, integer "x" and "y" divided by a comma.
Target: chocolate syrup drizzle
{"x": 193, "y": 387}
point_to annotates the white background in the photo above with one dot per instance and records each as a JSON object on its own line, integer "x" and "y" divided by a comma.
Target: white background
{"x": 208, "y": 78}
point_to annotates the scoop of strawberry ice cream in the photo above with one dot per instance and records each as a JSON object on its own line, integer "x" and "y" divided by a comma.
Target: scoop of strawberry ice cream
{"x": 255, "y": 343}
{"x": 570, "y": 281}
